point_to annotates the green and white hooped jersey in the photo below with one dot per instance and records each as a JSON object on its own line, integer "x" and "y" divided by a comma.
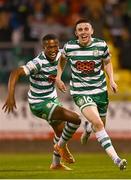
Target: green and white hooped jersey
{"x": 41, "y": 75}
{"x": 86, "y": 66}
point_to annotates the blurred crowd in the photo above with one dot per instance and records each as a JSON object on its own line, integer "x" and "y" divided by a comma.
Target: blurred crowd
{"x": 29, "y": 20}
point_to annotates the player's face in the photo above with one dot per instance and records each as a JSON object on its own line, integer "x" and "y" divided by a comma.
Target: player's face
{"x": 84, "y": 32}
{"x": 51, "y": 48}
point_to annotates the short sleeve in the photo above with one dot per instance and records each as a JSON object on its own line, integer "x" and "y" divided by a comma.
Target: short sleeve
{"x": 64, "y": 51}
{"x": 106, "y": 54}
{"x": 32, "y": 67}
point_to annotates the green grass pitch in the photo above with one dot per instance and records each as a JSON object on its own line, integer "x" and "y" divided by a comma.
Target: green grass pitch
{"x": 36, "y": 166}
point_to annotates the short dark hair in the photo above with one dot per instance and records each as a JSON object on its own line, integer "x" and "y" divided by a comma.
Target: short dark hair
{"x": 83, "y": 20}
{"x": 49, "y": 37}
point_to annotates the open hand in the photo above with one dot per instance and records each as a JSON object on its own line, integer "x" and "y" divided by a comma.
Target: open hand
{"x": 9, "y": 105}
{"x": 60, "y": 84}
{"x": 113, "y": 86}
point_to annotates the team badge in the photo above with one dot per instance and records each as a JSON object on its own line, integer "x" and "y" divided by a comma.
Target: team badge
{"x": 96, "y": 52}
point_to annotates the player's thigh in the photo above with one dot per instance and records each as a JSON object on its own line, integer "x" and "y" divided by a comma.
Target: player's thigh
{"x": 88, "y": 108}
{"x": 61, "y": 113}
{"x": 44, "y": 109}
{"x": 91, "y": 113}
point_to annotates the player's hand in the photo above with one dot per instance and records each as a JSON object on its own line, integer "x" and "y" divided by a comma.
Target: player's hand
{"x": 9, "y": 105}
{"x": 113, "y": 86}
{"x": 60, "y": 84}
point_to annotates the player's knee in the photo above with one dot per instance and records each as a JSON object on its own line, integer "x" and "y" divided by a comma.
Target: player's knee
{"x": 98, "y": 125}
{"x": 78, "y": 121}
{"x": 58, "y": 133}
{"x": 77, "y": 118}
{"x": 72, "y": 117}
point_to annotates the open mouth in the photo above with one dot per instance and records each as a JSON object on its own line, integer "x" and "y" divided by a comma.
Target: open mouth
{"x": 84, "y": 38}
{"x": 53, "y": 55}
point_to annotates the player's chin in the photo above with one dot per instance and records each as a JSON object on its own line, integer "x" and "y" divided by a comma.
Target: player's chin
{"x": 86, "y": 40}
{"x": 52, "y": 59}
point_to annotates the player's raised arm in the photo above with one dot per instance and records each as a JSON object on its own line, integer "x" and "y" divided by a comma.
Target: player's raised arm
{"x": 59, "y": 83}
{"x": 10, "y": 103}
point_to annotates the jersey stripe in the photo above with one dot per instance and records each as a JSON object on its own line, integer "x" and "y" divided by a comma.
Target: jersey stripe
{"x": 86, "y": 66}
{"x": 41, "y": 73}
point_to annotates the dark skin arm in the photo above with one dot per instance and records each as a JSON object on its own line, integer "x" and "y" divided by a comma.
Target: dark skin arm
{"x": 10, "y": 103}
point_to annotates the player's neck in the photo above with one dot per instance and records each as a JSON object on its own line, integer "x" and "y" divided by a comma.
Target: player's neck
{"x": 49, "y": 59}
{"x": 86, "y": 43}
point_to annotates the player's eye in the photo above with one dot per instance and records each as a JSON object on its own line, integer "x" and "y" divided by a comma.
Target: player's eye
{"x": 86, "y": 29}
{"x": 80, "y": 29}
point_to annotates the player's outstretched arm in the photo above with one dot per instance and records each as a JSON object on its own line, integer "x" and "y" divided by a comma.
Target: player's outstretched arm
{"x": 10, "y": 103}
{"x": 59, "y": 83}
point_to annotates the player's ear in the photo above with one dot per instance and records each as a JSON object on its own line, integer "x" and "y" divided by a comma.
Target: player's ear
{"x": 92, "y": 30}
{"x": 43, "y": 45}
{"x": 76, "y": 34}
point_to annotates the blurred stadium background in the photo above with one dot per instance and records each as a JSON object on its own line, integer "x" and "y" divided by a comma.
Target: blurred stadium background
{"x": 22, "y": 24}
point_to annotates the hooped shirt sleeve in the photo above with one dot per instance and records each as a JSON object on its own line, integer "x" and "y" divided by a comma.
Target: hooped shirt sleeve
{"x": 32, "y": 67}
{"x": 64, "y": 51}
{"x": 106, "y": 55}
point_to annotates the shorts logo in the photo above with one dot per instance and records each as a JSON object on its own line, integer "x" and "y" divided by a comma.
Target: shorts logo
{"x": 33, "y": 107}
{"x": 44, "y": 116}
{"x": 49, "y": 105}
{"x": 80, "y": 102}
